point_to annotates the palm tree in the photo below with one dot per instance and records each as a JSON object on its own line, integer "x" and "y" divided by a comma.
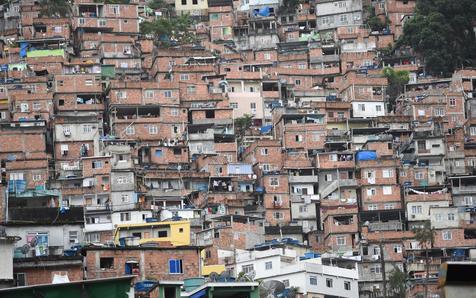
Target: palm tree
{"x": 426, "y": 237}
{"x": 397, "y": 281}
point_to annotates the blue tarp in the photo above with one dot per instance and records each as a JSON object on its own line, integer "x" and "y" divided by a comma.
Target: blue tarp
{"x": 264, "y": 12}
{"x": 144, "y": 286}
{"x": 266, "y": 129}
{"x": 199, "y": 294}
{"x": 23, "y": 49}
{"x": 366, "y": 155}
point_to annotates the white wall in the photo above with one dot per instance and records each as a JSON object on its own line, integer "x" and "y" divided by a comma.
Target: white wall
{"x": 370, "y": 109}
{"x": 6, "y": 251}
{"x": 57, "y": 235}
{"x": 135, "y": 217}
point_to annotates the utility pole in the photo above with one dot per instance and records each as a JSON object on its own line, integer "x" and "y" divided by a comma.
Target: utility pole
{"x": 382, "y": 266}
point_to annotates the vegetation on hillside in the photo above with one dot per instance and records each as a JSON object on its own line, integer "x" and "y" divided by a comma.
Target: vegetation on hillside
{"x": 442, "y": 32}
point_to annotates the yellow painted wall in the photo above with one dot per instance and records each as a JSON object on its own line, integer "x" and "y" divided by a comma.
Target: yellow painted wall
{"x": 175, "y": 236}
{"x": 206, "y": 270}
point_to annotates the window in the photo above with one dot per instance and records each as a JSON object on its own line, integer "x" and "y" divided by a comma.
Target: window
{"x": 343, "y": 18}
{"x": 184, "y": 77}
{"x": 417, "y": 209}
{"x": 20, "y": 279}
{"x": 267, "y": 56}
{"x": 397, "y": 248}
{"x": 347, "y": 285}
{"x": 264, "y": 151}
{"x": 387, "y": 190}
{"x": 97, "y": 164}
{"x": 387, "y": 173}
{"x": 472, "y": 130}
{"x": 234, "y": 105}
{"x": 175, "y": 129}
{"x": 36, "y": 106}
{"x": 102, "y": 23}
{"x": 175, "y": 266}
{"x": 106, "y": 263}
{"x": 389, "y": 206}
{"x": 210, "y": 114}
{"x": 451, "y": 216}
{"x": 194, "y": 2}
{"x": 447, "y": 235}
{"x": 372, "y": 207}
{"x": 192, "y": 89}
{"x": 162, "y": 234}
{"x": 124, "y": 198}
{"x": 121, "y": 94}
{"x": 247, "y": 268}
{"x": 371, "y": 192}
{"x": 214, "y": 17}
{"x": 153, "y": 130}
{"x": 273, "y": 181}
{"x": 73, "y": 237}
{"x": 87, "y": 128}
{"x": 278, "y": 215}
{"x": 88, "y": 82}
{"x": 468, "y": 200}
{"x": 167, "y": 93}
{"x": 115, "y": 9}
{"x": 298, "y": 138}
{"x": 24, "y": 108}
{"x": 174, "y": 112}
{"x": 303, "y": 209}
{"x": 419, "y": 175}
{"x": 268, "y": 265}
{"x": 297, "y": 82}
{"x": 438, "y": 217}
{"x": 36, "y": 177}
{"x": 266, "y": 167}
{"x": 340, "y": 240}
{"x": 376, "y": 269}
{"x": 452, "y": 102}
{"x": 378, "y": 108}
{"x": 3, "y": 115}
{"x": 313, "y": 280}
{"x": 125, "y": 216}
{"x": 329, "y": 282}
{"x": 361, "y": 107}
{"x": 149, "y": 93}
{"x": 130, "y": 130}
{"x": 439, "y": 112}
{"x": 184, "y": 2}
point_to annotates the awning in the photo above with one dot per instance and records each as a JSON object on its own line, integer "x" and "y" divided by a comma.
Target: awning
{"x": 199, "y": 294}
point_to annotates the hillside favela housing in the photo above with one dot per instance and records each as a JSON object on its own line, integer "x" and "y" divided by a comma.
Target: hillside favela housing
{"x": 237, "y": 148}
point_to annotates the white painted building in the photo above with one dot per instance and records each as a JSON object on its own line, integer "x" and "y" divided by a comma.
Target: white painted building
{"x": 310, "y": 276}
{"x": 368, "y": 109}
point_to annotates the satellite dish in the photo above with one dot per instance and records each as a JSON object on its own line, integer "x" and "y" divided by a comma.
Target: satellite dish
{"x": 213, "y": 277}
{"x": 224, "y": 276}
{"x": 269, "y": 288}
{"x": 251, "y": 275}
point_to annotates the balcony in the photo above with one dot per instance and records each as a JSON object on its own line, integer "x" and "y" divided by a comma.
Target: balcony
{"x": 209, "y": 135}
{"x": 385, "y": 226}
{"x": 466, "y": 189}
{"x": 98, "y": 227}
{"x": 303, "y": 179}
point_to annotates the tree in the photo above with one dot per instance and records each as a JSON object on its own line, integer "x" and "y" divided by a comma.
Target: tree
{"x": 396, "y": 83}
{"x": 397, "y": 281}
{"x": 242, "y": 124}
{"x": 170, "y": 31}
{"x": 426, "y": 238}
{"x": 442, "y": 33}
{"x": 55, "y": 8}
{"x": 375, "y": 22}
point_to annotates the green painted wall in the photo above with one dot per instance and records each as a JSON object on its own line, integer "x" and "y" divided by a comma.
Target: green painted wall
{"x": 106, "y": 289}
{"x": 45, "y": 53}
